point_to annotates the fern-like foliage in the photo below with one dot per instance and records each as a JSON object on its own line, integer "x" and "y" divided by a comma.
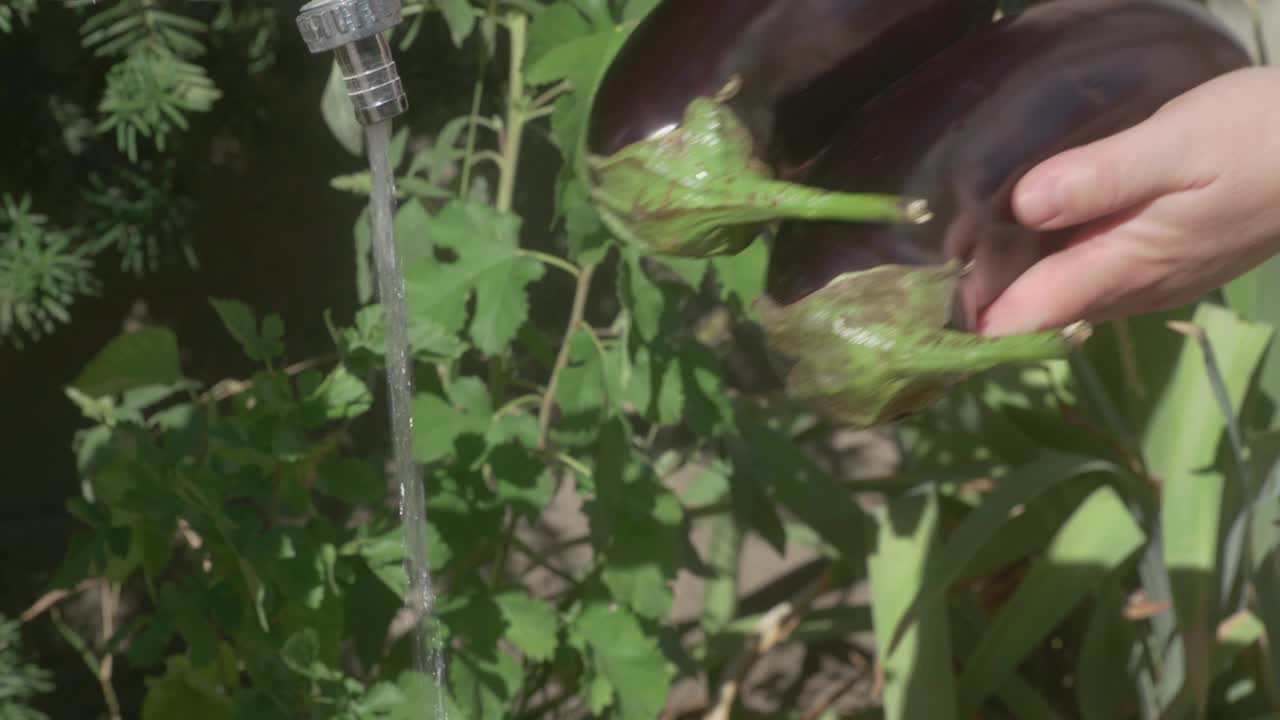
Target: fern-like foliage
{"x": 20, "y": 680}
{"x": 19, "y": 10}
{"x": 154, "y": 86}
{"x": 42, "y": 272}
{"x": 259, "y": 24}
{"x": 138, "y": 213}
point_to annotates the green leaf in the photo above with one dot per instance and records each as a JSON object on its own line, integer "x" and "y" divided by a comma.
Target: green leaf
{"x": 461, "y": 18}
{"x": 489, "y": 265}
{"x": 1019, "y": 488}
{"x": 524, "y": 482}
{"x": 531, "y": 623}
{"x": 1181, "y": 446}
{"x": 741, "y": 277}
{"x": 340, "y": 115}
{"x": 1098, "y": 538}
{"x": 724, "y": 555}
{"x": 351, "y": 480}
{"x": 260, "y": 345}
{"x": 185, "y": 692}
{"x": 439, "y": 422}
{"x": 624, "y": 662}
{"x": 148, "y": 356}
{"x": 1105, "y": 669}
{"x": 919, "y": 682}
{"x": 340, "y": 396}
{"x": 559, "y": 23}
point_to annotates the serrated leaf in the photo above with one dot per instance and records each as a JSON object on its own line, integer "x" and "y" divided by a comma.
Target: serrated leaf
{"x": 641, "y": 297}
{"x": 645, "y": 548}
{"x": 438, "y": 422}
{"x": 524, "y": 482}
{"x": 488, "y": 264}
{"x": 531, "y": 623}
{"x": 259, "y": 344}
{"x": 148, "y": 356}
{"x": 461, "y": 18}
{"x": 559, "y": 23}
{"x": 340, "y": 396}
{"x": 620, "y": 653}
{"x": 186, "y": 692}
{"x": 741, "y": 277}
{"x": 1098, "y": 538}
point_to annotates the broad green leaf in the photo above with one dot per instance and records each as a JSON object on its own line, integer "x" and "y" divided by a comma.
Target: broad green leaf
{"x": 1100, "y": 537}
{"x": 918, "y": 678}
{"x": 186, "y": 692}
{"x": 351, "y": 480}
{"x": 260, "y": 344}
{"x": 1020, "y": 487}
{"x": 641, "y": 296}
{"x": 623, "y": 660}
{"x": 524, "y": 482}
{"x": 484, "y": 681}
{"x": 340, "y": 115}
{"x": 148, "y": 356}
{"x": 531, "y": 623}
{"x": 429, "y": 340}
{"x": 438, "y": 422}
{"x": 559, "y": 23}
{"x": 461, "y": 18}
{"x": 418, "y": 692}
{"x": 340, "y": 396}
{"x": 741, "y": 277}
{"x": 489, "y": 266}
{"x": 1181, "y": 446}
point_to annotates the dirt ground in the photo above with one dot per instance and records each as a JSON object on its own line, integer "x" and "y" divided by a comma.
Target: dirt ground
{"x": 791, "y": 676}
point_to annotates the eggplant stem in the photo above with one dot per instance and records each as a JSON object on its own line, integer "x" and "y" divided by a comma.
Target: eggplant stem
{"x": 799, "y": 202}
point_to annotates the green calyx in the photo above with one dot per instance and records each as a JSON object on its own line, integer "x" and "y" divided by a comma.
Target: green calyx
{"x": 871, "y": 346}
{"x": 698, "y": 190}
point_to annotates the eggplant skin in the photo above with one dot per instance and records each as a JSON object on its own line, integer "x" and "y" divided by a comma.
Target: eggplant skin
{"x": 967, "y": 125}
{"x": 825, "y": 53}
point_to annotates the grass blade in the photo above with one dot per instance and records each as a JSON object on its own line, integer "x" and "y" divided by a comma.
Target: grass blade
{"x": 1020, "y": 487}
{"x": 1098, "y": 538}
{"x": 1181, "y": 446}
{"x": 918, "y": 680}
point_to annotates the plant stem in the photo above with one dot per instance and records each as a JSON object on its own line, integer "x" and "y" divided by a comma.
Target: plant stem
{"x": 516, "y": 24}
{"x": 477, "y": 94}
{"x": 562, "y": 358}
{"x": 549, "y": 259}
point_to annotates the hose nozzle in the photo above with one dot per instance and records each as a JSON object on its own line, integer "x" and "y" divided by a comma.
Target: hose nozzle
{"x": 354, "y": 29}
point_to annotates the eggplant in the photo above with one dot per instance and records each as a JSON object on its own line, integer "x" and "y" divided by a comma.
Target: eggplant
{"x": 873, "y": 322}
{"x": 963, "y": 129}
{"x": 680, "y": 146}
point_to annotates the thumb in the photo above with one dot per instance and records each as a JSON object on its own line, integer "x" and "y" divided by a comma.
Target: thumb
{"x": 1113, "y": 174}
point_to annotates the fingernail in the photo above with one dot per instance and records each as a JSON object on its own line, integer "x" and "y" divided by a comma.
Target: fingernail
{"x": 1038, "y": 204}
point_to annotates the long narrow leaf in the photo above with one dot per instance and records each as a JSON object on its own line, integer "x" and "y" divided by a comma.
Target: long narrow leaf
{"x": 1181, "y": 446}
{"x": 1099, "y": 537}
{"x": 918, "y": 680}
{"x": 1022, "y": 486}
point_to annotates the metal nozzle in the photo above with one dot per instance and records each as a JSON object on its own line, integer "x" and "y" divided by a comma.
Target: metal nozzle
{"x": 353, "y": 29}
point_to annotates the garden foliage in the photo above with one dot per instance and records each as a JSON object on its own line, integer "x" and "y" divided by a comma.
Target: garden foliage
{"x": 1097, "y": 538}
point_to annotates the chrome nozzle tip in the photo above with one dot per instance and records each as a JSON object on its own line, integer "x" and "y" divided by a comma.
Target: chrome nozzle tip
{"x": 330, "y": 24}
{"x": 353, "y": 30}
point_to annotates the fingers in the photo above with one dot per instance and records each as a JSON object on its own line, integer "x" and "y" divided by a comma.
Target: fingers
{"x": 1113, "y": 174}
{"x": 1064, "y": 287}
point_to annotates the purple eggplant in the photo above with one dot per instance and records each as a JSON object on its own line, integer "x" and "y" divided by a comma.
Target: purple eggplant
{"x": 680, "y": 136}
{"x": 962, "y": 130}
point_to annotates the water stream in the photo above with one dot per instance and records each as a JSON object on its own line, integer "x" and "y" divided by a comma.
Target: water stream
{"x": 428, "y": 656}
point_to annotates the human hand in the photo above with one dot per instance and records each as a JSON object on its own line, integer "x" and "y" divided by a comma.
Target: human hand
{"x": 1175, "y": 207}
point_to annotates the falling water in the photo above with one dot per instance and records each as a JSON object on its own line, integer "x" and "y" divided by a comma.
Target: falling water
{"x": 428, "y": 657}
